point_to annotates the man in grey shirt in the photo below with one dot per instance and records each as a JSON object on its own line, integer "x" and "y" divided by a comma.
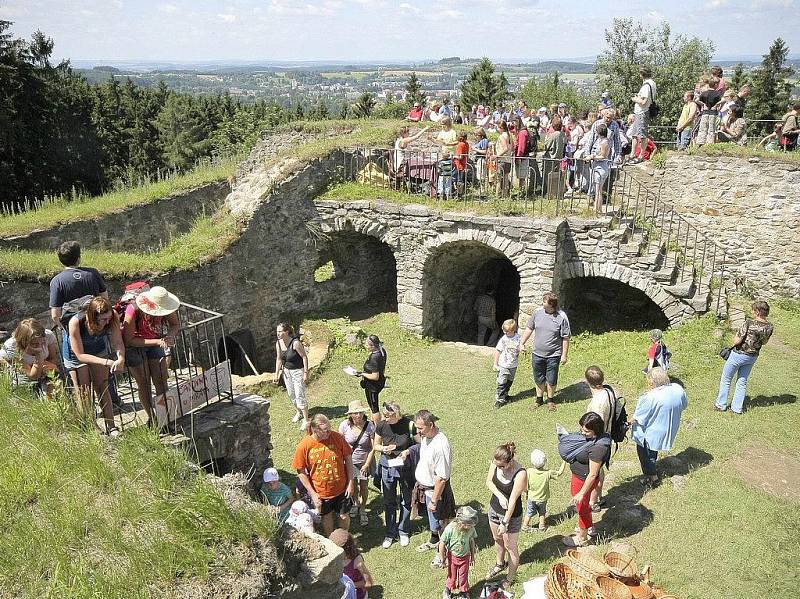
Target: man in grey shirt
{"x": 550, "y": 329}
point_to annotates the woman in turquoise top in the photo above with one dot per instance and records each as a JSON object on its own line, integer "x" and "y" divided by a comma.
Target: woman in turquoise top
{"x": 656, "y": 420}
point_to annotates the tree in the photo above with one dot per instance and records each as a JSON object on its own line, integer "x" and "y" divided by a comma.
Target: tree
{"x": 414, "y": 90}
{"x": 364, "y": 105}
{"x": 551, "y": 90}
{"x": 344, "y": 110}
{"x": 181, "y": 134}
{"x": 676, "y": 64}
{"x": 740, "y": 78}
{"x": 482, "y": 86}
{"x": 771, "y": 90}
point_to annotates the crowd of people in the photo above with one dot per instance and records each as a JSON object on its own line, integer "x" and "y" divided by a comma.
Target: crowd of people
{"x": 411, "y": 458}
{"x": 92, "y": 339}
{"x": 584, "y": 145}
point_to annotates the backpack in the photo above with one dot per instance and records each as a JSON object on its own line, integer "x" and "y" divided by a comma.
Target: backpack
{"x": 73, "y": 308}
{"x": 129, "y": 294}
{"x": 663, "y": 356}
{"x": 654, "y": 110}
{"x": 619, "y": 417}
{"x": 572, "y": 445}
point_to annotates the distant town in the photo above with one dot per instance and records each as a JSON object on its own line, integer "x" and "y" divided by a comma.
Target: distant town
{"x": 333, "y": 83}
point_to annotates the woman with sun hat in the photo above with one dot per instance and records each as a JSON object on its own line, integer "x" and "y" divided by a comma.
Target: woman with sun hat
{"x": 146, "y": 344}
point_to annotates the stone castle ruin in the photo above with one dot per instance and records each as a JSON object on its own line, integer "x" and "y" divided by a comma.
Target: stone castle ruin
{"x": 650, "y": 264}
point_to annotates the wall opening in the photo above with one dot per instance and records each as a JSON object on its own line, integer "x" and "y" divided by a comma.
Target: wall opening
{"x": 599, "y": 305}
{"x": 362, "y": 270}
{"x": 453, "y": 277}
{"x": 240, "y": 348}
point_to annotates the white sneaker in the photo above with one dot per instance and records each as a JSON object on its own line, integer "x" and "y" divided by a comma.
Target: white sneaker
{"x": 404, "y": 540}
{"x": 304, "y": 426}
{"x": 297, "y": 417}
{"x": 387, "y": 542}
{"x": 592, "y": 532}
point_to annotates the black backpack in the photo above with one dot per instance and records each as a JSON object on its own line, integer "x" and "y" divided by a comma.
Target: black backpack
{"x": 619, "y": 417}
{"x": 72, "y": 308}
{"x": 654, "y": 110}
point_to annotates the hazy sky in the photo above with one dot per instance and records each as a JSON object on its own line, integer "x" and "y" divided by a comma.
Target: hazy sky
{"x": 186, "y": 30}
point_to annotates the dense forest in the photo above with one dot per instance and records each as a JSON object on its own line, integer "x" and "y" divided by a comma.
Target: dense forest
{"x": 61, "y": 135}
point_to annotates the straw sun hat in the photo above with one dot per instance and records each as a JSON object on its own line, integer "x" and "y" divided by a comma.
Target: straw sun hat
{"x": 157, "y": 302}
{"x": 356, "y": 406}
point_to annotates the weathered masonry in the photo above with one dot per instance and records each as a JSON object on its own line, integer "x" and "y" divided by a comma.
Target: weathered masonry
{"x": 444, "y": 260}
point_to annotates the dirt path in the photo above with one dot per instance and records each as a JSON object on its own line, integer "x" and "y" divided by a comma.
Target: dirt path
{"x": 770, "y": 470}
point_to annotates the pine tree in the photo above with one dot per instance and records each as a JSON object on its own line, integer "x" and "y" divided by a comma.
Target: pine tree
{"x": 414, "y": 90}
{"x": 482, "y": 86}
{"x": 740, "y": 78}
{"x": 771, "y": 90}
{"x": 364, "y": 105}
{"x": 344, "y": 110}
{"x": 322, "y": 109}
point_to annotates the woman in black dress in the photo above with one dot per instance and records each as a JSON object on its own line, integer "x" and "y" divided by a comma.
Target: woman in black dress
{"x": 372, "y": 375}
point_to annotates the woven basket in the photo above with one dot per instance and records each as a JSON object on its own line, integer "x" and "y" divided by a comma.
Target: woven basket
{"x": 621, "y": 565}
{"x": 588, "y": 563}
{"x": 564, "y": 583}
{"x": 623, "y": 548}
{"x": 641, "y": 591}
{"x": 612, "y": 588}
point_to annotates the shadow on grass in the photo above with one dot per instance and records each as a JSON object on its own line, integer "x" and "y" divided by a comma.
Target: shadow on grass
{"x": 578, "y": 391}
{"x": 763, "y": 401}
{"x": 332, "y": 412}
{"x": 626, "y": 516}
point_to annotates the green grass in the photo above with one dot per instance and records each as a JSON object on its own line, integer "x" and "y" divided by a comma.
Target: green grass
{"x": 59, "y": 211}
{"x": 84, "y": 517}
{"x": 715, "y": 536}
{"x": 208, "y": 239}
{"x": 492, "y": 206}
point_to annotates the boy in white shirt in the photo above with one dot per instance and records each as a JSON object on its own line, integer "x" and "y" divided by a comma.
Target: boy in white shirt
{"x": 506, "y": 360}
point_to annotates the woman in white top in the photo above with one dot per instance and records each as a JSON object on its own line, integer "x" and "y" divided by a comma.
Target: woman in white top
{"x": 401, "y": 143}
{"x": 503, "y": 150}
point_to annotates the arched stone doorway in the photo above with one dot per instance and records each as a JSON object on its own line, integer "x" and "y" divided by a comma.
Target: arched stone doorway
{"x": 364, "y": 271}
{"x": 601, "y": 304}
{"x": 454, "y": 275}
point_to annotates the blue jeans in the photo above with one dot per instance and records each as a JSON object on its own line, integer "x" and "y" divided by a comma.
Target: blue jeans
{"x": 740, "y": 365}
{"x": 684, "y": 138}
{"x": 390, "y": 504}
{"x": 433, "y": 520}
{"x": 647, "y": 459}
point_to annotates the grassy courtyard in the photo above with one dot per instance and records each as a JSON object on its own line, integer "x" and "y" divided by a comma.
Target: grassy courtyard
{"x": 706, "y": 530}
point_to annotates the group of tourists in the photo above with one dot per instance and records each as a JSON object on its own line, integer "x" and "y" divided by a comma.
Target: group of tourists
{"x": 411, "y": 458}
{"x": 92, "y": 340}
{"x": 534, "y": 150}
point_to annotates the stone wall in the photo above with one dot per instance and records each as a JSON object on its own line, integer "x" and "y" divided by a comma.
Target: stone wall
{"x": 143, "y": 227}
{"x": 749, "y": 206}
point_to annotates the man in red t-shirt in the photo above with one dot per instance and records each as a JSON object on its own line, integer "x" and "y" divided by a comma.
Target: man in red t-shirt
{"x": 415, "y": 114}
{"x": 324, "y": 465}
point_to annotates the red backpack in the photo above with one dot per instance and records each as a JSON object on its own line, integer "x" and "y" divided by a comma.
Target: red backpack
{"x": 130, "y": 293}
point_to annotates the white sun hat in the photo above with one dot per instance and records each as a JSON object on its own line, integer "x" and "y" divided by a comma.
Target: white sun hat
{"x": 157, "y": 302}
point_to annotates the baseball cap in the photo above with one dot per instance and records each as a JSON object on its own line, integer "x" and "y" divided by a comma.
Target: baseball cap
{"x": 271, "y": 475}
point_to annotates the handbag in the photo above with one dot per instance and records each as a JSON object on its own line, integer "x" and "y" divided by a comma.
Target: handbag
{"x": 725, "y": 352}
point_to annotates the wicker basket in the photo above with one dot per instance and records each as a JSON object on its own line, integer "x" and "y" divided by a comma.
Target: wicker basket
{"x": 641, "y": 591}
{"x": 623, "y": 548}
{"x": 612, "y": 588}
{"x": 621, "y": 565}
{"x": 563, "y": 583}
{"x": 588, "y": 563}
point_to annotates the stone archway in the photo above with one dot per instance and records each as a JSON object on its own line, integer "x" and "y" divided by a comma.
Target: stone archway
{"x": 364, "y": 271}
{"x": 454, "y": 274}
{"x": 607, "y": 296}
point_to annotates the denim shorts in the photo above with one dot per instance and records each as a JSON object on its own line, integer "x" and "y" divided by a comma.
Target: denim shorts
{"x": 536, "y": 507}
{"x": 514, "y": 525}
{"x": 95, "y": 346}
{"x": 546, "y": 369}
{"x": 135, "y": 356}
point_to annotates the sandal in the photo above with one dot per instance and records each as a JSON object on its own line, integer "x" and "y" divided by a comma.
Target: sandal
{"x": 495, "y": 570}
{"x": 507, "y": 584}
{"x": 551, "y": 405}
{"x": 425, "y": 546}
{"x": 574, "y": 541}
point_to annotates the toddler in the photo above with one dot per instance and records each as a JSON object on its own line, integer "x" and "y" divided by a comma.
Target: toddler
{"x": 445, "y": 167}
{"x": 300, "y": 517}
{"x": 539, "y": 489}
{"x": 460, "y": 162}
{"x": 506, "y": 360}
{"x": 657, "y": 353}
{"x": 457, "y": 550}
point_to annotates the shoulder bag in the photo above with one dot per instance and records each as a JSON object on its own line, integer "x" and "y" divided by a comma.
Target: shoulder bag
{"x": 725, "y": 352}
